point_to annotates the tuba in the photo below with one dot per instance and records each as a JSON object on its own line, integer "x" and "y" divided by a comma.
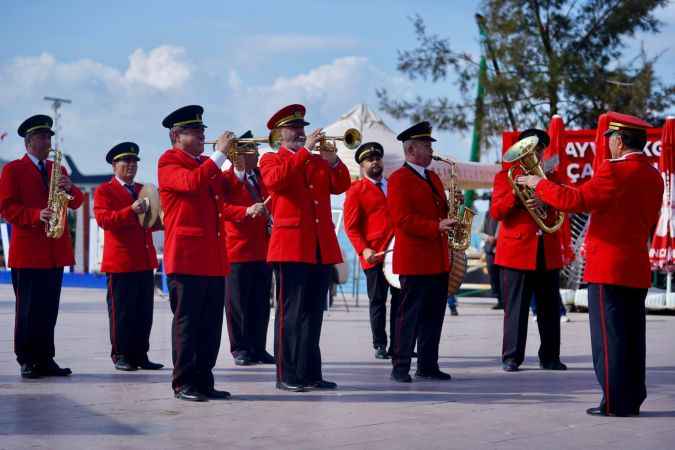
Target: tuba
{"x": 523, "y": 155}
{"x": 57, "y": 201}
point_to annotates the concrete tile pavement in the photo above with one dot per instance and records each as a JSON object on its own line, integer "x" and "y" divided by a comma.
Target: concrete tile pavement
{"x": 481, "y": 408}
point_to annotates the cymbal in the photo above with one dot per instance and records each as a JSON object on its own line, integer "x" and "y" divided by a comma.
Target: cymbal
{"x": 150, "y": 195}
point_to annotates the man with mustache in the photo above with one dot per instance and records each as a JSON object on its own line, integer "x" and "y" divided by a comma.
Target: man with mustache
{"x": 303, "y": 246}
{"x": 369, "y": 228}
{"x": 129, "y": 260}
{"x": 191, "y": 189}
{"x": 36, "y": 260}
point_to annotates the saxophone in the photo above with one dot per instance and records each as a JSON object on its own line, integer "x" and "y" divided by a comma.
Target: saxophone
{"x": 459, "y": 236}
{"x": 57, "y": 201}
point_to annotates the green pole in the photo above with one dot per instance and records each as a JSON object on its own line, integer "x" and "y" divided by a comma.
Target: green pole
{"x": 479, "y": 107}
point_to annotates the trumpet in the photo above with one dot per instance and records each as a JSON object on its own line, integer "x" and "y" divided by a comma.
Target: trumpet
{"x": 242, "y": 145}
{"x": 351, "y": 139}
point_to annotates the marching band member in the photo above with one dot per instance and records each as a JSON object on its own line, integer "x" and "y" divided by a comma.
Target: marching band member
{"x": 129, "y": 260}
{"x": 530, "y": 262}
{"x": 247, "y": 223}
{"x": 419, "y": 211}
{"x": 195, "y": 259}
{"x": 368, "y": 227}
{"x": 37, "y": 261}
{"x": 303, "y": 246}
{"x": 624, "y": 197}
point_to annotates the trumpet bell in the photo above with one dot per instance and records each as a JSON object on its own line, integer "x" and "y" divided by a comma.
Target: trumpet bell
{"x": 352, "y": 138}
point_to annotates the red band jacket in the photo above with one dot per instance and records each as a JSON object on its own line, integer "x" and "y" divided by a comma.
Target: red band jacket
{"x": 366, "y": 218}
{"x": 22, "y": 196}
{"x": 519, "y": 235}
{"x": 624, "y": 198}
{"x": 301, "y": 185}
{"x": 191, "y": 191}
{"x": 247, "y": 237}
{"x": 416, "y": 209}
{"x": 127, "y": 246}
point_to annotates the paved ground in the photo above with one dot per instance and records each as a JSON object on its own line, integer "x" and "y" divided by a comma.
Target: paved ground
{"x": 481, "y": 408}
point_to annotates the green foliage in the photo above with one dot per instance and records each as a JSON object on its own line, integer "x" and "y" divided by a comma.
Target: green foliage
{"x": 550, "y": 57}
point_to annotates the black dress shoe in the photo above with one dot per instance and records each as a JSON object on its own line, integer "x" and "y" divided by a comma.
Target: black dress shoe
{"x": 265, "y": 358}
{"x": 509, "y": 366}
{"x": 381, "y": 353}
{"x": 242, "y": 359}
{"x": 498, "y": 306}
{"x": 290, "y": 387}
{"x": 401, "y": 377}
{"x": 30, "y": 371}
{"x": 190, "y": 394}
{"x": 215, "y": 394}
{"x": 435, "y": 375}
{"x": 123, "y": 363}
{"x": 149, "y": 365}
{"x": 597, "y": 411}
{"x": 553, "y": 365}
{"x": 323, "y": 385}
{"x": 51, "y": 369}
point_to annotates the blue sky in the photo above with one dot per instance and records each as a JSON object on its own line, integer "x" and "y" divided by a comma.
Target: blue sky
{"x": 127, "y": 64}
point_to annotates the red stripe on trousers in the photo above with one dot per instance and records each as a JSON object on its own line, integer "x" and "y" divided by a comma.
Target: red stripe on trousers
{"x": 603, "y": 328}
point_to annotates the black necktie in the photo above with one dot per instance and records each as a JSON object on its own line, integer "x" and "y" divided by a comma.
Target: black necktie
{"x": 255, "y": 192}
{"x": 43, "y": 173}
{"x": 132, "y": 191}
{"x": 379, "y": 185}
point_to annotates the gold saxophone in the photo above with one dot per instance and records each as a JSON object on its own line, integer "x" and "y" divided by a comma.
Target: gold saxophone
{"x": 57, "y": 202}
{"x": 459, "y": 236}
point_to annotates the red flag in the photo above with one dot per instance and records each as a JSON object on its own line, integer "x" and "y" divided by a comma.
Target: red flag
{"x": 663, "y": 243}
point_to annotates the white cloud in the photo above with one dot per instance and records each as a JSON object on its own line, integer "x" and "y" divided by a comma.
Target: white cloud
{"x": 162, "y": 68}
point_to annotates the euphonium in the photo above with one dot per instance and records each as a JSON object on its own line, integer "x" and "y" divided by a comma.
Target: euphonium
{"x": 57, "y": 202}
{"x": 523, "y": 155}
{"x": 459, "y": 237}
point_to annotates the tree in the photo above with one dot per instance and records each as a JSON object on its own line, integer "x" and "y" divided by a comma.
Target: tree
{"x": 545, "y": 57}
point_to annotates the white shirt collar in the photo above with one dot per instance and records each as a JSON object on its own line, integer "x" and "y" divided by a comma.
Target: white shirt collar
{"x": 419, "y": 169}
{"x": 624, "y": 156}
{"x": 35, "y": 160}
{"x": 383, "y": 182}
{"x": 121, "y": 181}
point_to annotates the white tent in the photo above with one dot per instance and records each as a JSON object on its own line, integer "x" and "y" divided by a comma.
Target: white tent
{"x": 372, "y": 128}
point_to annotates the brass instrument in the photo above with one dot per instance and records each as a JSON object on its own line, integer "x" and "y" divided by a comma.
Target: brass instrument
{"x": 459, "y": 237}
{"x": 247, "y": 146}
{"x": 351, "y": 138}
{"x": 57, "y": 201}
{"x": 524, "y": 158}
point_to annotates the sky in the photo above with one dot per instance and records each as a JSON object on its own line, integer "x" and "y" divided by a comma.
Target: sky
{"x": 125, "y": 65}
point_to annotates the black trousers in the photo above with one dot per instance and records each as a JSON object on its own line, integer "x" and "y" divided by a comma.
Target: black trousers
{"x": 420, "y": 317}
{"x": 37, "y": 293}
{"x": 518, "y": 286}
{"x": 495, "y": 278}
{"x": 197, "y": 303}
{"x": 302, "y": 290}
{"x": 247, "y": 306}
{"x": 617, "y": 318}
{"x": 378, "y": 288}
{"x": 130, "y": 301}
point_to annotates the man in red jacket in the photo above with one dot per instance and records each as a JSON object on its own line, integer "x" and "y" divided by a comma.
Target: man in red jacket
{"x": 419, "y": 211}
{"x": 303, "y": 246}
{"x": 191, "y": 190}
{"x": 129, "y": 259}
{"x": 368, "y": 227}
{"x": 530, "y": 262}
{"x": 37, "y": 261}
{"x": 624, "y": 198}
{"x": 248, "y": 226}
